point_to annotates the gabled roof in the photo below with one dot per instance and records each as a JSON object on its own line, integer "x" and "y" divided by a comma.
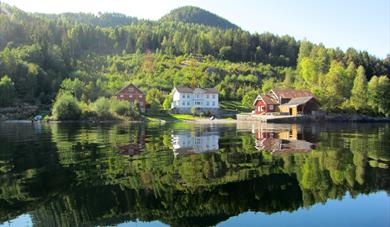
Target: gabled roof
{"x": 191, "y": 90}
{"x": 130, "y": 85}
{"x": 298, "y": 101}
{"x": 267, "y": 99}
{"x": 290, "y": 93}
{"x": 184, "y": 89}
{"x": 211, "y": 91}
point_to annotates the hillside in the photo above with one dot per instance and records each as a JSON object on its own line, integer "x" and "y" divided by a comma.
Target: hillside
{"x": 196, "y": 15}
{"x": 41, "y": 54}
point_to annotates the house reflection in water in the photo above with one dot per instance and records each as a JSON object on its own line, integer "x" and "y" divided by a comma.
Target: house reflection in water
{"x": 136, "y": 145}
{"x": 280, "y": 138}
{"x": 198, "y": 141}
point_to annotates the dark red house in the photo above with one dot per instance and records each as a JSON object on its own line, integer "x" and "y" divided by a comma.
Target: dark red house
{"x": 132, "y": 94}
{"x": 264, "y": 104}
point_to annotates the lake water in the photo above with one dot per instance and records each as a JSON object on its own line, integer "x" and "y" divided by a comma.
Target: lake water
{"x": 184, "y": 174}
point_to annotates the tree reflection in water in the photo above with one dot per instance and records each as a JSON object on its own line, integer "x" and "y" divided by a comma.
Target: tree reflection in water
{"x": 183, "y": 174}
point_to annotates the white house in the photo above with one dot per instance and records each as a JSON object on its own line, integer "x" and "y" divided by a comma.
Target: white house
{"x": 205, "y": 99}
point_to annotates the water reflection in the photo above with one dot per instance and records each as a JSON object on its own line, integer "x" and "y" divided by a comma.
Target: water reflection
{"x": 198, "y": 140}
{"x": 80, "y": 175}
{"x": 280, "y": 138}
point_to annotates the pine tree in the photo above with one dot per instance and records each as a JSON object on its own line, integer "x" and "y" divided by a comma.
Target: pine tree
{"x": 359, "y": 98}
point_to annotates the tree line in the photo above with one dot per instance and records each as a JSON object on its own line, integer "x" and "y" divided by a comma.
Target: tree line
{"x": 38, "y": 52}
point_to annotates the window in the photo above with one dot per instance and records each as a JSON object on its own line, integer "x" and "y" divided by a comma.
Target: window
{"x": 207, "y": 104}
{"x": 271, "y": 107}
{"x": 140, "y": 96}
{"x": 207, "y": 96}
{"x": 183, "y": 96}
{"x": 188, "y": 96}
{"x": 261, "y": 108}
{"x": 188, "y": 103}
{"x": 213, "y": 103}
{"x": 131, "y": 89}
{"x": 183, "y": 103}
{"x": 121, "y": 96}
{"x": 213, "y": 96}
{"x": 130, "y": 96}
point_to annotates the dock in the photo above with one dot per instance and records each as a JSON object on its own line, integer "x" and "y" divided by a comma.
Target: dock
{"x": 270, "y": 118}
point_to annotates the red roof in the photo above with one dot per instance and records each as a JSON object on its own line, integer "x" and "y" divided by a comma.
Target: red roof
{"x": 291, "y": 93}
{"x": 130, "y": 85}
{"x": 266, "y": 99}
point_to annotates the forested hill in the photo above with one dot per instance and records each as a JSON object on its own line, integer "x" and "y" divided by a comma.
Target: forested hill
{"x": 93, "y": 56}
{"x": 196, "y": 15}
{"x": 102, "y": 19}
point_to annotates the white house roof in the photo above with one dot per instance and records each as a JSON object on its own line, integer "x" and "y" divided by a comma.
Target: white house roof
{"x": 197, "y": 90}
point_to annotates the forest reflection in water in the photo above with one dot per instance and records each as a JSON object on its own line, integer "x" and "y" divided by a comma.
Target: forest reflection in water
{"x": 183, "y": 174}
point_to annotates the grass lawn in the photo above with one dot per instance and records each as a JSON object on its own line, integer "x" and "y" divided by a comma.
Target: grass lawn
{"x": 170, "y": 117}
{"x": 233, "y": 106}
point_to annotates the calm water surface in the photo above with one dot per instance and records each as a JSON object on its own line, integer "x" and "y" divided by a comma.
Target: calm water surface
{"x": 186, "y": 174}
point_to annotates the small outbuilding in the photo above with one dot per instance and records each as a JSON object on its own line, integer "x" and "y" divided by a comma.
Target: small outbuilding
{"x": 300, "y": 106}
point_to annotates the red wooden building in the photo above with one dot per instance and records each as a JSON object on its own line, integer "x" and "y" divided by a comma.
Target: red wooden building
{"x": 132, "y": 94}
{"x": 265, "y": 104}
{"x": 287, "y": 101}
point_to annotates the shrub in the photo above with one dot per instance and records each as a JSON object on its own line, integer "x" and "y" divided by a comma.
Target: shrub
{"x": 7, "y": 91}
{"x": 125, "y": 109}
{"x": 248, "y": 99}
{"x": 87, "y": 112}
{"x": 102, "y": 108}
{"x": 66, "y": 107}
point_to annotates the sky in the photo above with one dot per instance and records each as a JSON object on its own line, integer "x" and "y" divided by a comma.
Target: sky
{"x": 361, "y": 24}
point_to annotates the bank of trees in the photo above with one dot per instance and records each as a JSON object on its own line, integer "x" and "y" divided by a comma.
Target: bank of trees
{"x": 67, "y": 107}
{"x": 94, "y": 57}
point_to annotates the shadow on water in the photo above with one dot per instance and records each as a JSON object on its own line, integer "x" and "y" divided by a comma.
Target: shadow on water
{"x": 183, "y": 174}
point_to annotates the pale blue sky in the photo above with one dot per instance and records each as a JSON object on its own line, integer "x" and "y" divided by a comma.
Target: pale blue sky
{"x": 362, "y": 24}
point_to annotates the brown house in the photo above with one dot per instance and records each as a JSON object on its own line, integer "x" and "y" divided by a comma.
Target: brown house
{"x": 286, "y": 101}
{"x": 132, "y": 94}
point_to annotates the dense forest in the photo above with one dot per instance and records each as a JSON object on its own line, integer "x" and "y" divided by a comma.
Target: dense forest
{"x": 91, "y": 56}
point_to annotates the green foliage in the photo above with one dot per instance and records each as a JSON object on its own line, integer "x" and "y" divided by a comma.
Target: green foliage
{"x": 66, "y": 107}
{"x": 125, "y": 109}
{"x": 331, "y": 94}
{"x": 7, "y": 91}
{"x": 379, "y": 95}
{"x": 167, "y": 102}
{"x": 74, "y": 87}
{"x": 102, "y": 108}
{"x": 248, "y": 99}
{"x": 100, "y": 54}
{"x": 196, "y": 15}
{"x": 268, "y": 84}
{"x": 359, "y": 99}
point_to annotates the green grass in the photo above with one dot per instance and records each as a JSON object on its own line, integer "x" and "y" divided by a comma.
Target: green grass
{"x": 233, "y": 106}
{"x": 170, "y": 117}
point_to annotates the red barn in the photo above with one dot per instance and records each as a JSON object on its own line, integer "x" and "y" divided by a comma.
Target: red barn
{"x": 265, "y": 104}
{"x": 132, "y": 94}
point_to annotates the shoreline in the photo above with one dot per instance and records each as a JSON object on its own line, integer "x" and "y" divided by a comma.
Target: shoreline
{"x": 317, "y": 118}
